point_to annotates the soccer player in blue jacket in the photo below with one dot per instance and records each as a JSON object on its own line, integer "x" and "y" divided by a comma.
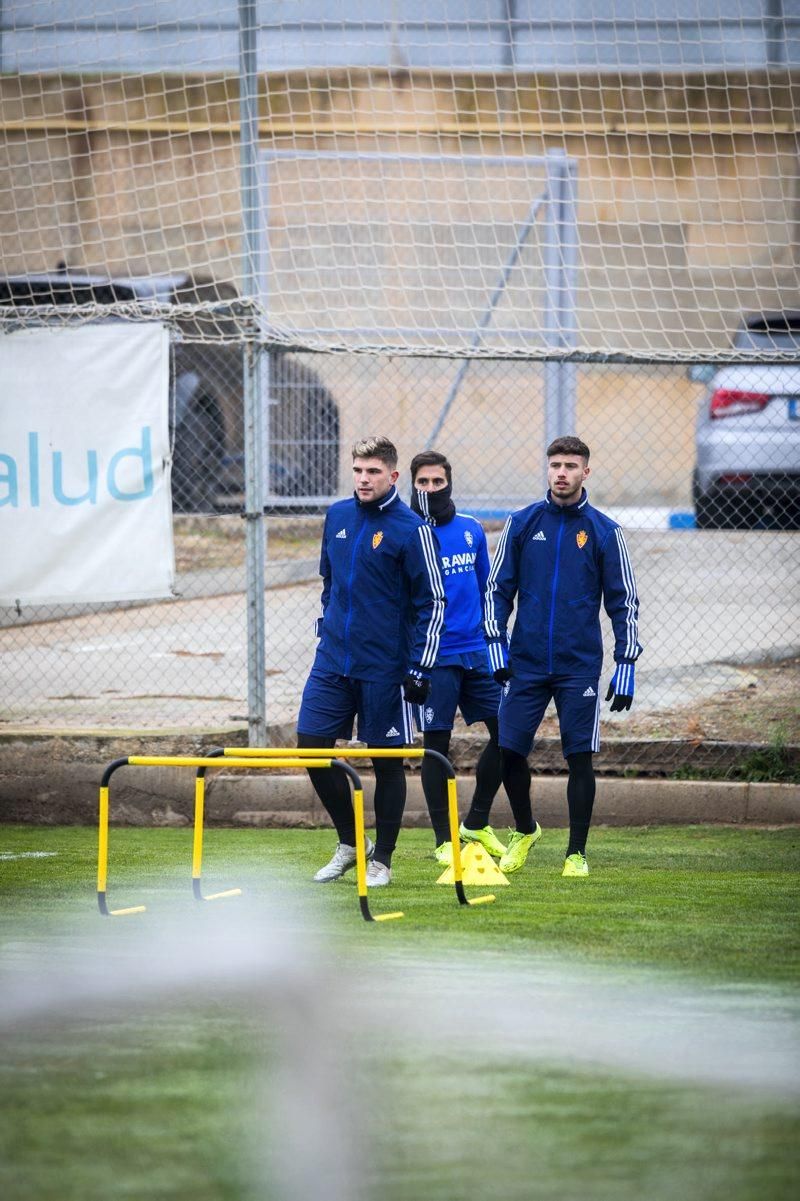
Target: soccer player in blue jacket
{"x": 462, "y": 677}
{"x": 382, "y": 617}
{"x": 559, "y": 559}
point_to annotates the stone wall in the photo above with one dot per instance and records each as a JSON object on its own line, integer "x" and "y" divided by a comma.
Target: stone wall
{"x": 688, "y": 214}
{"x": 688, "y": 202}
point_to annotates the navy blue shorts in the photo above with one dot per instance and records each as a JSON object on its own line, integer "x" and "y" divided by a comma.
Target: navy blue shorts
{"x": 330, "y": 703}
{"x": 577, "y": 703}
{"x": 466, "y": 684}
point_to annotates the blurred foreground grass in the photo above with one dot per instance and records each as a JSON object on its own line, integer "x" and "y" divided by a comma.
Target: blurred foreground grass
{"x": 163, "y": 1099}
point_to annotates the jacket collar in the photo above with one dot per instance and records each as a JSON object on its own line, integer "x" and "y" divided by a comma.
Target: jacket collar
{"x": 378, "y": 506}
{"x": 567, "y": 510}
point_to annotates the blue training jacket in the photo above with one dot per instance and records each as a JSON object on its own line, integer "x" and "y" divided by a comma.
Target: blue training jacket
{"x": 464, "y": 563}
{"x": 383, "y": 599}
{"x": 560, "y": 563}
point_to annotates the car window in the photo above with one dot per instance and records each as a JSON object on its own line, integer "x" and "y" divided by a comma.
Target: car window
{"x": 769, "y": 331}
{"x": 32, "y": 291}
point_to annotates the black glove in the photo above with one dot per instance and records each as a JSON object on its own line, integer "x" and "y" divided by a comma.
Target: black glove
{"x": 504, "y": 674}
{"x": 621, "y": 688}
{"x": 416, "y": 687}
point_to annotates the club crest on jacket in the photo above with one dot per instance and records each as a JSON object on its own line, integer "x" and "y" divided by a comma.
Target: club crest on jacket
{"x": 377, "y": 539}
{"x": 581, "y": 538}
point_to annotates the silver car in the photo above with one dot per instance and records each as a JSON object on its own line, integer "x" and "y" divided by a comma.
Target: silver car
{"x": 747, "y": 474}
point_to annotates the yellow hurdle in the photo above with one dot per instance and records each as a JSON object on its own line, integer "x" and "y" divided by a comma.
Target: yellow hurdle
{"x": 197, "y": 847}
{"x": 311, "y": 760}
{"x": 287, "y": 760}
{"x": 276, "y": 758}
{"x": 266, "y": 753}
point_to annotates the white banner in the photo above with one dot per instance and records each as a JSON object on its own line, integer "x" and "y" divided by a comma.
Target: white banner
{"x": 85, "y": 507}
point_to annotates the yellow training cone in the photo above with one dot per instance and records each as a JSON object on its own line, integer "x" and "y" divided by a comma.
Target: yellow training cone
{"x": 477, "y": 867}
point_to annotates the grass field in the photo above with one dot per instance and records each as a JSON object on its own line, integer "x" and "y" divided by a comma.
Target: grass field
{"x": 631, "y": 1035}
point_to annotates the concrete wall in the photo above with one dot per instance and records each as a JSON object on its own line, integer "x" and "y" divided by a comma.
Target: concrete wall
{"x": 51, "y": 779}
{"x": 688, "y": 201}
{"x": 688, "y": 214}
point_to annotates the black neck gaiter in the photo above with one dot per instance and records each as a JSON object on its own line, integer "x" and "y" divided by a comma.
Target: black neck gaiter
{"x": 436, "y": 508}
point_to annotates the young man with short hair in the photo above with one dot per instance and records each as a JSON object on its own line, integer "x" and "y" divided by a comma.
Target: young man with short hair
{"x": 382, "y": 617}
{"x": 462, "y": 678}
{"x": 558, "y": 560}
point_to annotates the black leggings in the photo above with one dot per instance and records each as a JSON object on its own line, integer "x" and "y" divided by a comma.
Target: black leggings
{"x": 517, "y": 783}
{"x": 580, "y": 795}
{"x": 434, "y": 782}
{"x": 333, "y": 789}
{"x": 580, "y": 799}
{"x": 488, "y": 778}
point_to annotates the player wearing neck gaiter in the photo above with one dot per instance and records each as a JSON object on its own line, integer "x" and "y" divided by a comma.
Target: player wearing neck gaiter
{"x": 462, "y": 677}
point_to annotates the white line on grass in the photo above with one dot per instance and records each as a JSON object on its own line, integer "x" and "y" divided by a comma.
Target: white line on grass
{"x": 28, "y": 854}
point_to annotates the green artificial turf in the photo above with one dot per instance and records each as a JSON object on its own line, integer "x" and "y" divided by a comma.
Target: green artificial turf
{"x": 719, "y": 901}
{"x": 162, "y": 1099}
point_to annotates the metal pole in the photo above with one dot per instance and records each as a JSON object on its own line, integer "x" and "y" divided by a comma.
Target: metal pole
{"x": 488, "y": 312}
{"x": 774, "y": 33}
{"x": 560, "y": 263}
{"x": 510, "y": 41}
{"x": 255, "y": 432}
{"x": 568, "y": 241}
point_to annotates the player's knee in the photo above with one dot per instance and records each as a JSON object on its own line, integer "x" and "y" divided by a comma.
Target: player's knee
{"x": 436, "y": 740}
{"x": 580, "y": 764}
{"x": 304, "y": 741}
{"x": 387, "y": 769}
{"x": 514, "y": 765}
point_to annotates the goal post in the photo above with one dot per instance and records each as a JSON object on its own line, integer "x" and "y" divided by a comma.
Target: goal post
{"x": 513, "y": 289}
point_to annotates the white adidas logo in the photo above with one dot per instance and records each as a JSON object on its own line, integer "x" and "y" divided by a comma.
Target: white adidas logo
{"x": 342, "y": 534}
{"x": 540, "y": 537}
{"x": 590, "y": 692}
{"x": 392, "y": 733}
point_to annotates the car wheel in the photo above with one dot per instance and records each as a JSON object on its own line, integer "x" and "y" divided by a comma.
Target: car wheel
{"x": 717, "y": 511}
{"x": 706, "y": 514}
{"x": 198, "y": 457}
{"x": 705, "y": 509}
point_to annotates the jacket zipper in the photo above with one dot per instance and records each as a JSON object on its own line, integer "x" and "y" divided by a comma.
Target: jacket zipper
{"x": 553, "y": 598}
{"x": 356, "y": 540}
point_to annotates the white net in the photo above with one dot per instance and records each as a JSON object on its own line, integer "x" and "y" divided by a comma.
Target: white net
{"x": 493, "y": 177}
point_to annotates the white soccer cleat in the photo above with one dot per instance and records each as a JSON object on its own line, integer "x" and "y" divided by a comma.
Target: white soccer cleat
{"x": 378, "y": 875}
{"x": 344, "y": 857}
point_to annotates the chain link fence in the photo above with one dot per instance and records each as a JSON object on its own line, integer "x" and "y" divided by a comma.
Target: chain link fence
{"x": 486, "y": 247}
{"x": 719, "y": 584}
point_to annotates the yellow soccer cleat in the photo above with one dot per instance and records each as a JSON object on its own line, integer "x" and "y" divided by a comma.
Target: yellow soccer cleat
{"x": 486, "y": 837}
{"x": 444, "y": 854}
{"x": 575, "y": 865}
{"x": 518, "y": 847}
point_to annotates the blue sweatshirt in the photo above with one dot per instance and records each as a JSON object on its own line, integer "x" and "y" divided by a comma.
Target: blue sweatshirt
{"x": 383, "y": 599}
{"x": 559, "y": 563}
{"x": 464, "y": 564}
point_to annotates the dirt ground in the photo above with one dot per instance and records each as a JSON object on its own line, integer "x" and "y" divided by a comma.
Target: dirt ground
{"x": 207, "y": 543}
{"x": 766, "y": 707}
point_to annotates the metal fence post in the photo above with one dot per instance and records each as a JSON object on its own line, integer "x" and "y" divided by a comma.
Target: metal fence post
{"x": 486, "y": 317}
{"x": 255, "y": 426}
{"x": 560, "y": 263}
